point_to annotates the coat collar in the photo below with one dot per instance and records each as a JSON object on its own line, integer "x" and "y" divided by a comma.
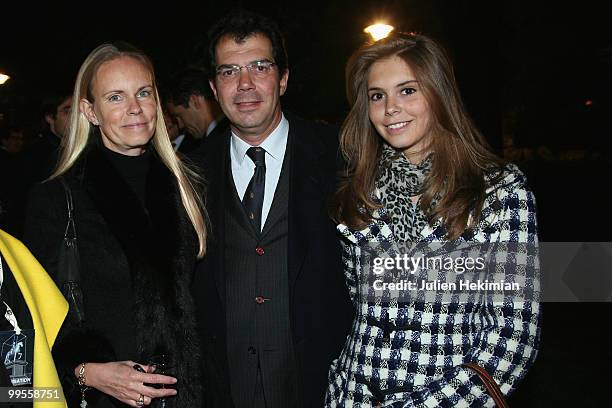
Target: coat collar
{"x": 148, "y": 232}
{"x": 379, "y": 230}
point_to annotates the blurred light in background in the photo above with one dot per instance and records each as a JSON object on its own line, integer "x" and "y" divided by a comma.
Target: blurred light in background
{"x": 378, "y": 31}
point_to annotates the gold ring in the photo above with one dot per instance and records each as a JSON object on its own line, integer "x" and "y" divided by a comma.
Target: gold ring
{"x": 140, "y": 401}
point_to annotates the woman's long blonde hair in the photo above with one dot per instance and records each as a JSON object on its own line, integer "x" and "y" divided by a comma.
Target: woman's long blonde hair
{"x": 80, "y": 131}
{"x": 461, "y": 154}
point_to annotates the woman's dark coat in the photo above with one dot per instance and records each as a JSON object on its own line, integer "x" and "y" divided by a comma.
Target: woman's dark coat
{"x": 137, "y": 261}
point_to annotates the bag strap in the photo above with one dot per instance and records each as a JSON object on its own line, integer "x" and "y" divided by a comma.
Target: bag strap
{"x": 70, "y": 227}
{"x": 490, "y": 385}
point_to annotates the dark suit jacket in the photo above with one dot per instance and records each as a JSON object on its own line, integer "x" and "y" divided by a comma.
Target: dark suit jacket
{"x": 189, "y": 144}
{"x": 320, "y": 309}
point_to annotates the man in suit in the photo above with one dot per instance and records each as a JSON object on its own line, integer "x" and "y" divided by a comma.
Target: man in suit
{"x": 272, "y": 305}
{"x": 43, "y": 154}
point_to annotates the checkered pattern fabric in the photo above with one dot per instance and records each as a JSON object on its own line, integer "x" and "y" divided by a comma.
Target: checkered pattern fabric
{"x": 409, "y": 354}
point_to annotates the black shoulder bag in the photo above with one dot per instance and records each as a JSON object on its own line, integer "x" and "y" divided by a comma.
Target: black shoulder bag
{"x": 68, "y": 276}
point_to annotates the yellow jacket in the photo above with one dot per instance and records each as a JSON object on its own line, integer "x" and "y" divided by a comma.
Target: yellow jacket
{"x": 47, "y": 307}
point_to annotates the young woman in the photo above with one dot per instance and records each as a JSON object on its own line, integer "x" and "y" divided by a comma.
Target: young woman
{"x": 140, "y": 226}
{"x": 420, "y": 172}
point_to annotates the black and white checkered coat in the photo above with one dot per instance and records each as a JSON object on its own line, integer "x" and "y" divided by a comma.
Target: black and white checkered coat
{"x": 410, "y": 355}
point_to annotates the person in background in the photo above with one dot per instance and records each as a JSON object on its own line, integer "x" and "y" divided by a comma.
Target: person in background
{"x": 192, "y": 102}
{"x": 181, "y": 142}
{"x": 56, "y": 111}
{"x": 43, "y": 154}
{"x": 12, "y": 140}
{"x": 140, "y": 227}
{"x": 419, "y": 172}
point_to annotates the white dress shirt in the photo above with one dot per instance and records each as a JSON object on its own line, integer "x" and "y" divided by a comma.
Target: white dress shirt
{"x": 176, "y": 143}
{"x": 243, "y": 167}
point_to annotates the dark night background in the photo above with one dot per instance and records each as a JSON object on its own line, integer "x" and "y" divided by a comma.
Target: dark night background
{"x": 536, "y": 77}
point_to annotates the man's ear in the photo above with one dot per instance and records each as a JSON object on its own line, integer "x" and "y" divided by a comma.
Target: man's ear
{"x": 50, "y": 119}
{"x": 214, "y": 88}
{"x": 194, "y": 101}
{"x": 87, "y": 109}
{"x": 283, "y": 82}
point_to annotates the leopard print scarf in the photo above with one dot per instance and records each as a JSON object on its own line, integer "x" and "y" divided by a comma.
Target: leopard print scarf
{"x": 397, "y": 180}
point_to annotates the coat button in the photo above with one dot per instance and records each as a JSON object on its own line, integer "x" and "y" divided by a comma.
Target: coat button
{"x": 260, "y": 251}
{"x": 252, "y": 350}
{"x": 260, "y": 300}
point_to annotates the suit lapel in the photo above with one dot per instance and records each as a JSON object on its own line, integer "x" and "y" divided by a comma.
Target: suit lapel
{"x": 281, "y": 195}
{"x": 304, "y": 198}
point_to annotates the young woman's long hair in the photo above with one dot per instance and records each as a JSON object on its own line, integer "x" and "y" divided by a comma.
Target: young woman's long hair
{"x": 461, "y": 154}
{"x": 80, "y": 131}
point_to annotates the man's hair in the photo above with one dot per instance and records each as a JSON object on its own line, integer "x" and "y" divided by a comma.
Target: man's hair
{"x": 51, "y": 102}
{"x": 240, "y": 24}
{"x": 189, "y": 81}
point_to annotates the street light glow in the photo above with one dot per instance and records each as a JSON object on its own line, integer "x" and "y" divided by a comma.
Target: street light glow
{"x": 4, "y": 78}
{"x": 378, "y": 31}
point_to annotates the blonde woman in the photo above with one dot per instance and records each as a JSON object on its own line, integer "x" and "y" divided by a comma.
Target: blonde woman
{"x": 140, "y": 227}
{"x": 420, "y": 175}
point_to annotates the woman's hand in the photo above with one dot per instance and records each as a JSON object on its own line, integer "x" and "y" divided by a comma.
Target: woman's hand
{"x": 120, "y": 380}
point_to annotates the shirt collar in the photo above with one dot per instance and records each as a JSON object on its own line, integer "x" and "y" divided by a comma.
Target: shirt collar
{"x": 211, "y": 127}
{"x": 177, "y": 141}
{"x": 274, "y": 144}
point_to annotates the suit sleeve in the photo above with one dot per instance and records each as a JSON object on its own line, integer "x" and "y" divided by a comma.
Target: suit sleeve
{"x": 507, "y": 345}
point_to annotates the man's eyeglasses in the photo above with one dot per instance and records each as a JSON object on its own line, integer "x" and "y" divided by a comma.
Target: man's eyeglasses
{"x": 259, "y": 69}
